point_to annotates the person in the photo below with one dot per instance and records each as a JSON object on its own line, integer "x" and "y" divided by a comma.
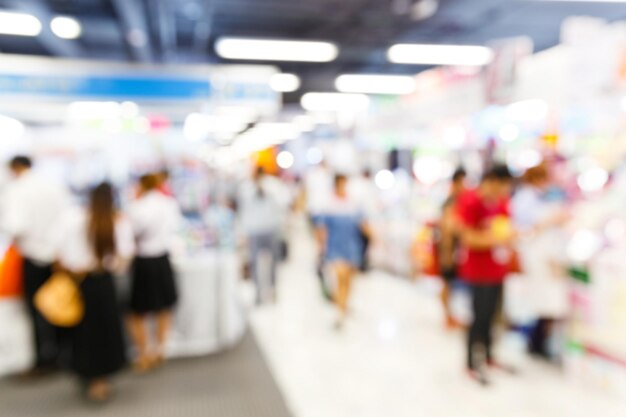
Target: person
{"x": 339, "y": 231}
{"x": 97, "y": 243}
{"x": 539, "y": 219}
{"x": 363, "y": 190}
{"x": 155, "y": 218}
{"x": 163, "y": 180}
{"x": 486, "y": 238}
{"x": 449, "y": 242}
{"x": 318, "y": 184}
{"x": 31, "y": 210}
{"x": 261, "y": 222}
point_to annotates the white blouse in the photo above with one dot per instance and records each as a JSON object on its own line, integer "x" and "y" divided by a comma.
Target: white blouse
{"x": 76, "y": 252}
{"x": 155, "y": 219}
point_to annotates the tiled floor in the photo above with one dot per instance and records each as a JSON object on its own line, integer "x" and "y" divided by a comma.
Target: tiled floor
{"x": 394, "y": 359}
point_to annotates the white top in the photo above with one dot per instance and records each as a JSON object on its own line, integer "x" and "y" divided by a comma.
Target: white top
{"x": 259, "y": 214}
{"x": 30, "y": 213}
{"x": 155, "y": 218}
{"x": 363, "y": 191}
{"x": 77, "y": 252}
{"x": 319, "y": 189}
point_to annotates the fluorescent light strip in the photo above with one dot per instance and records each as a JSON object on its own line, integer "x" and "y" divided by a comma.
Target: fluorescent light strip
{"x": 375, "y": 84}
{"x": 285, "y": 83}
{"x": 460, "y": 55}
{"x": 334, "y": 102}
{"x": 581, "y": 1}
{"x": 19, "y": 24}
{"x": 66, "y": 27}
{"x": 276, "y": 50}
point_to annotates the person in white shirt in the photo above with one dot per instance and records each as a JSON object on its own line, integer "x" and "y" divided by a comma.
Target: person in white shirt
{"x": 318, "y": 184}
{"x": 97, "y": 243}
{"x": 261, "y": 220}
{"x": 30, "y": 212}
{"x": 155, "y": 218}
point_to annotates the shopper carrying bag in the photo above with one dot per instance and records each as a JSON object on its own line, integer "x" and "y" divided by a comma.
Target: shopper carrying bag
{"x": 98, "y": 242}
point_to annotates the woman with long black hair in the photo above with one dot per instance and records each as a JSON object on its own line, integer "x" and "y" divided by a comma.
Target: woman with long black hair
{"x": 98, "y": 242}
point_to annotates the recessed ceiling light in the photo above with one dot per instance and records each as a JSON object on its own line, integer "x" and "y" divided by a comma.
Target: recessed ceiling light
{"x": 19, "y": 24}
{"x": 276, "y": 50}
{"x": 66, "y": 27}
{"x": 460, "y": 55}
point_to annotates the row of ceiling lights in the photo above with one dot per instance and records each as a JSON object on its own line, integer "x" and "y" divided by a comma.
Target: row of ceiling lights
{"x": 24, "y": 24}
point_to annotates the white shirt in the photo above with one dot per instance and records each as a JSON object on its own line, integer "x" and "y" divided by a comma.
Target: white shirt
{"x": 319, "y": 189}
{"x": 77, "y": 253}
{"x": 155, "y": 218}
{"x": 363, "y": 191}
{"x": 259, "y": 214}
{"x": 30, "y": 214}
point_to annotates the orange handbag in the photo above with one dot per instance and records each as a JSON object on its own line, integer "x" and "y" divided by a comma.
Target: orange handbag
{"x": 11, "y": 273}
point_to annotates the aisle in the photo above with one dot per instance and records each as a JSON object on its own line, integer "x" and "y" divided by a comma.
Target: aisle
{"x": 393, "y": 359}
{"x": 236, "y": 383}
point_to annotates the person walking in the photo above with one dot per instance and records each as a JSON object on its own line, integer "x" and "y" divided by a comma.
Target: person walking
{"x": 155, "y": 218}
{"x": 339, "y": 232}
{"x": 98, "y": 242}
{"x": 486, "y": 238}
{"x": 540, "y": 248}
{"x": 261, "y": 220}
{"x": 30, "y": 212}
{"x": 449, "y": 243}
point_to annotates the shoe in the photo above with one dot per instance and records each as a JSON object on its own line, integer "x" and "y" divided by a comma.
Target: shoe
{"x": 478, "y": 376}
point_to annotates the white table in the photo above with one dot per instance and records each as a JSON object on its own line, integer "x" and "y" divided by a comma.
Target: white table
{"x": 210, "y": 315}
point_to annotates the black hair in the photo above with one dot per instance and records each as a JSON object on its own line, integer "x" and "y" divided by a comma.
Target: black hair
{"x": 20, "y": 161}
{"x": 498, "y": 172}
{"x": 459, "y": 174}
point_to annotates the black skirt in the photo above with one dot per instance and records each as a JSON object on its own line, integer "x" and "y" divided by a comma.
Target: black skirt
{"x": 99, "y": 349}
{"x": 153, "y": 287}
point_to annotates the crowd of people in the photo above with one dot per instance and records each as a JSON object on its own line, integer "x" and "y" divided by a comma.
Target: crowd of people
{"x": 92, "y": 243}
{"x": 483, "y": 235}
{"x": 479, "y": 231}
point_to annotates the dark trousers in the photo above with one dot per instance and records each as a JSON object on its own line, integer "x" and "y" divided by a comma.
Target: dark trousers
{"x": 485, "y": 302}
{"x": 45, "y": 334}
{"x": 540, "y": 336}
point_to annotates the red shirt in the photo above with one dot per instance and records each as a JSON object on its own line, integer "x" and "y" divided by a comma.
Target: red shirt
{"x": 482, "y": 266}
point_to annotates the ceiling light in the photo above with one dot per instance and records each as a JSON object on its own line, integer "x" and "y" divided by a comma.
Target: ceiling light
{"x": 285, "y": 83}
{"x": 585, "y": 1}
{"x": 285, "y": 160}
{"x": 66, "y": 27}
{"x": 19, "y": 24}
{"x": 375, "y": 84}
{"x": 276, "y": 50}
{"x": 334, "y": 102}
{"x": 462, "y": 55}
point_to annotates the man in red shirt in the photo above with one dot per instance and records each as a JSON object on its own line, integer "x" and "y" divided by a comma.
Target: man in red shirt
{"x": 485, "y": 257}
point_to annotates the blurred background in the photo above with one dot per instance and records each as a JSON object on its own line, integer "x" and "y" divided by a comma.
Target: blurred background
{"x": 296, "y": 294}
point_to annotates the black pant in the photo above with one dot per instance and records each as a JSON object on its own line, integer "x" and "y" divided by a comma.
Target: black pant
{"x": 45, "y": 334}
{"x": 485, "y": 301}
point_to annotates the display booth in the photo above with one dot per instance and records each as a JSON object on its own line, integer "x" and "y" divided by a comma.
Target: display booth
{"x": 84, "y": 122}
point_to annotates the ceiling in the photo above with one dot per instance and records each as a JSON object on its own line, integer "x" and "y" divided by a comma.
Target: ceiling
{"x": 185, "y": 30}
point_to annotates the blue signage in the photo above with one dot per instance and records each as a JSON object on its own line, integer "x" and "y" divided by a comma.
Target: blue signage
{"x": 106, "y": 87}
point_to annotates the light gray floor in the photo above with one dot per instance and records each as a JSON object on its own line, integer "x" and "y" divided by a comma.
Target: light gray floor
{"x": 236, "y": 383}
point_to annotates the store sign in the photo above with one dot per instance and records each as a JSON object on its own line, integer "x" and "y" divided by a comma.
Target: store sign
{"x": 105, "y": 87}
